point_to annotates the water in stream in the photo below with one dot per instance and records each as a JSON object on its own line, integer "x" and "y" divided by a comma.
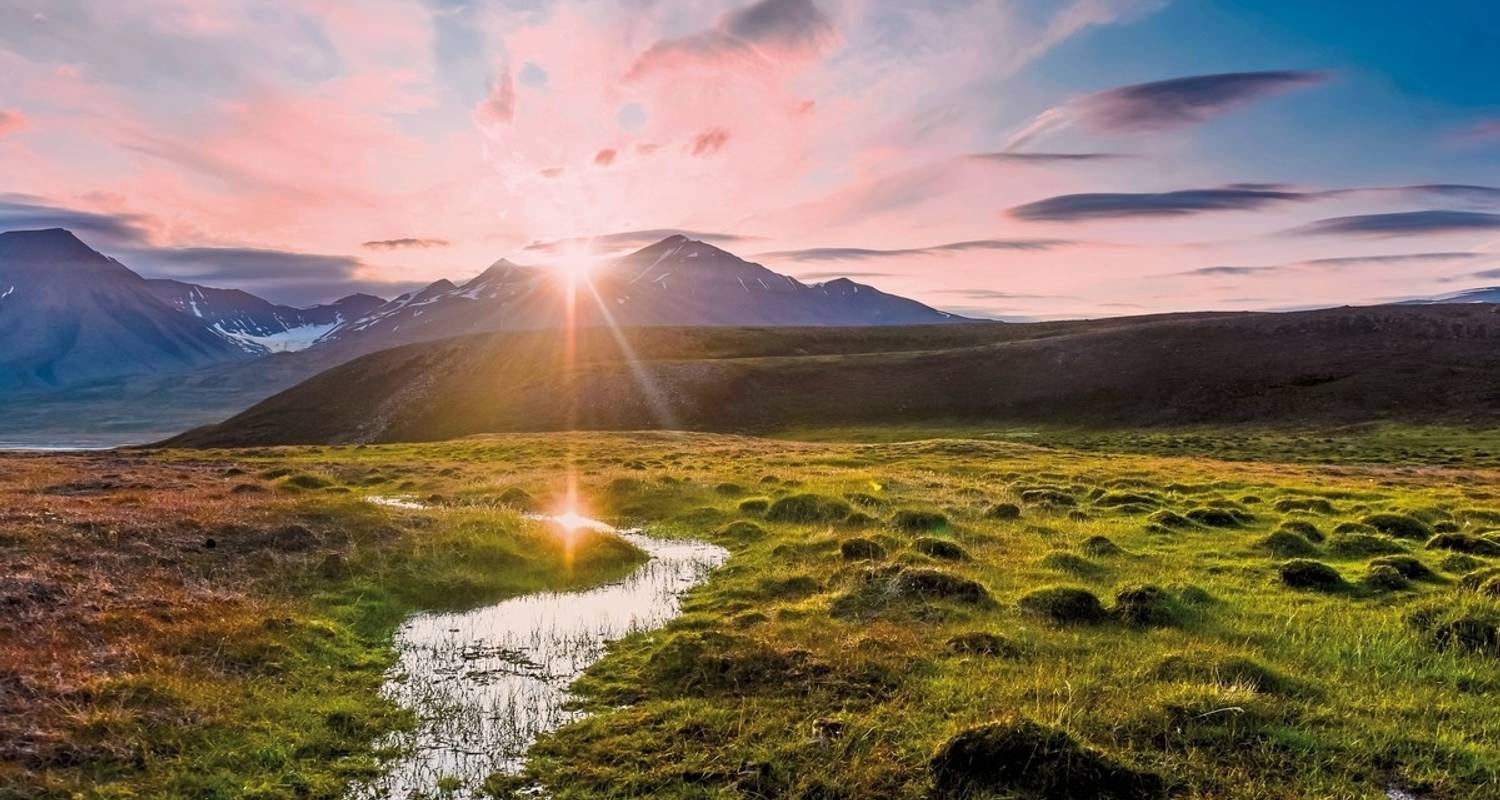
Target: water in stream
{"x": 485, "y": 683}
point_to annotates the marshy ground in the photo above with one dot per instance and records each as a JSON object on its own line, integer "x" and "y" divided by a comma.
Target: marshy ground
{"x": 903, "y": 614}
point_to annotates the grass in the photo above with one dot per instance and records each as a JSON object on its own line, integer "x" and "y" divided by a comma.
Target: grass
{"x": 248, "y": 668}
{"x": 1147, "y": 641}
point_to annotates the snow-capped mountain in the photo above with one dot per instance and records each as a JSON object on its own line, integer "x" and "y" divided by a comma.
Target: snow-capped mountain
{"x": 69, "y": 313}
{"x": 257, "y": 325}
{"x": 677, "y": 281}
{"x": 1488, "y": 294}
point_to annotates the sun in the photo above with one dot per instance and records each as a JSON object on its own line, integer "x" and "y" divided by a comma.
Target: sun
{"x": 576, "y": 263}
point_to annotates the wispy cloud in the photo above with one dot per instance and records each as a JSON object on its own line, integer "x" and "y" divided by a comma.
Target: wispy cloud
{"x": 1071, "y": 207}
{"x": 405, "y": 243}
{"x": 864, "y": 253}
{"x": 1482, "y": 132}
{"x": 22, "y": 212}
{"x": 1402, "y": 223}
{"x": 1459, "y": 192}
{"x": 996, "y": 294}
{"x": 1047, "y": 158}
{"x": 1162, "y": 105}
{"x": 631, "y": 240}
{"x": 709, "y": 142}
{"x": 833, "y": 274}
{"x": 1404, "y": 258}
{"x": 1208, "y": 272}
{"x": 758, "y": 35}
{"x": 278, "y": 275}
{"x": 1339, "y": 263}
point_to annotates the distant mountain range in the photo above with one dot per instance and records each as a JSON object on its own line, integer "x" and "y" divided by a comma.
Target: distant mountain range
{"x": 258, "y": 325}
{"x": 677, "y": 281}
{"x": 1490, "y": 294}
{"x": 70, "y": 315}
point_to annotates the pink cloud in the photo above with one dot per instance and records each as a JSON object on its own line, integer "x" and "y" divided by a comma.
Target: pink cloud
{"x": 12, "y": 122}
{"x": 605, "y": 157}
{"x": 764, "y": 34}
{"x": 709, "y": 142}
{"x": 1485, "y": 131}
{"x": 499, "y": 107}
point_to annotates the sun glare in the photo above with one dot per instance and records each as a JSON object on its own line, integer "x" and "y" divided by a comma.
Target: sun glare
{"x": 571, "y": 520}
{"x": 577, "y": 263}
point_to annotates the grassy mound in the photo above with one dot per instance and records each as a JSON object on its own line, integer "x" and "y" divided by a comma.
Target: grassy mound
{"x": 1220, "y": 517}
{"x": 1303, "y": 528}
{"x": 1021, "y": 756}
{"x": 305, "y": 481}
{"x": 1464, "y": 543}
{"x": 1064, "y": 605}
{"x": 916, "y": 520}
{"x": 1170, "y": 519}
{"x": 984, "y": 643}
{"x": 517, "y": 498}
{"x": 861, "y": 549}
{"x": 940, "y": 548}
{"x": 1003, "y": 511}
{"x": 1410, "y": 567}
{"x": 1466, "y": 627}
{"x": 865, "y": 500}
{"x": 1054, "y": 498}
{"x": 1398, "y": 525}
{"x": 1146, "y": 606}
{"x": 1305, "y": 573}
{"x": 1071, "y": 563}
{"x": 932, "y": 584}
{"x": 1382, "y": 578}
{"x": 1286, "y": 544}
{"x": 808, "y": 508}
{"x": 696, "y": 663}
{"x": 1313, "y": 505}
{"x": 1101, "y": 547}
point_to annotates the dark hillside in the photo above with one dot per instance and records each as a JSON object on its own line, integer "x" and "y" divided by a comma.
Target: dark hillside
{"x": 1410, "y": 363}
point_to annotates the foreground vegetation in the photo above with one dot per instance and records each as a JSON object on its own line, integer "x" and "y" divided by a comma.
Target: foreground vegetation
{"x": 199, "y": 630}
{"x": 899, "y": 618}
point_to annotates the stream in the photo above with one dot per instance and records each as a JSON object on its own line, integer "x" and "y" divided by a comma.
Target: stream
{"x": 485, "y": 683}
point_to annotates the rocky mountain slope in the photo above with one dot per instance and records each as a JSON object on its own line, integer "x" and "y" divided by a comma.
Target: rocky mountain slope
{"x": 69, "y": 313}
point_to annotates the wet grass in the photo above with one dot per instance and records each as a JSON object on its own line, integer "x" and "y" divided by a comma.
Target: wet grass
{"x": 213, "y": 646}
{"x": 1126, "y": 614}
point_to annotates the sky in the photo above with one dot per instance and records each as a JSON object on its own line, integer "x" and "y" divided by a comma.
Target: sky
{"x": 1015, "y": 160}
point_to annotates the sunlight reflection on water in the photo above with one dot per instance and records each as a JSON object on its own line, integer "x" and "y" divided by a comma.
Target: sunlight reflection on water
{"x": 485, "y": 683}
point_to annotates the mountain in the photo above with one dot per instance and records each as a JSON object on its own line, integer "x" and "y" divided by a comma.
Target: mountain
{"x": 1489, "y": 294}
{"x": 69, "y": 313}
{"x": 258, "y": 325}
{"x": 675, "y": 282}
{"x": 1344, "y": 365}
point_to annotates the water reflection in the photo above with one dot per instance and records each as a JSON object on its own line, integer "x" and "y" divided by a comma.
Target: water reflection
{"x": 485, "y": 683}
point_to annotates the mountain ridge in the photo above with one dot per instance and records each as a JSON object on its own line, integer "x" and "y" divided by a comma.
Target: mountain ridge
{"x": 1331, "y": 366}
{"x": 69, "y": 313}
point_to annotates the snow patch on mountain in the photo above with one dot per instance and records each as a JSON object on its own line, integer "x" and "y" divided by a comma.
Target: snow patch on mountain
{"x": 289, "y": 340}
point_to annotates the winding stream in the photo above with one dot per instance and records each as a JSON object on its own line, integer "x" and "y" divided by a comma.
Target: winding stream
{"x": 486, "y": 682}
